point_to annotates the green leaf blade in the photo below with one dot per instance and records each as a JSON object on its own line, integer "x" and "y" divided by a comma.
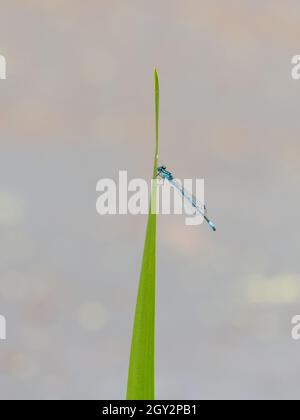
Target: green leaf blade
{"x": 141, "y": 373}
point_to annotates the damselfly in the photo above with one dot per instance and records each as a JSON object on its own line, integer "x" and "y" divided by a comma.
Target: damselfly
{"x": 200, "y": 208}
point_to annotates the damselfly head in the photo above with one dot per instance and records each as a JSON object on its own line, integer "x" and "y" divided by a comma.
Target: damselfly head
{"x": 163, "y": 173}
{"x": 161, "y": 168}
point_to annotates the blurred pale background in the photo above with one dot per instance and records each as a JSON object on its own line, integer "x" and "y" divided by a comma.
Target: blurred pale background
{"x": 78, "y": 106}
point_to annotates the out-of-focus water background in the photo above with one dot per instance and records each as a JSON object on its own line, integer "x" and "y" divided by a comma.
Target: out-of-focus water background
{"x": 78, "y": 106}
